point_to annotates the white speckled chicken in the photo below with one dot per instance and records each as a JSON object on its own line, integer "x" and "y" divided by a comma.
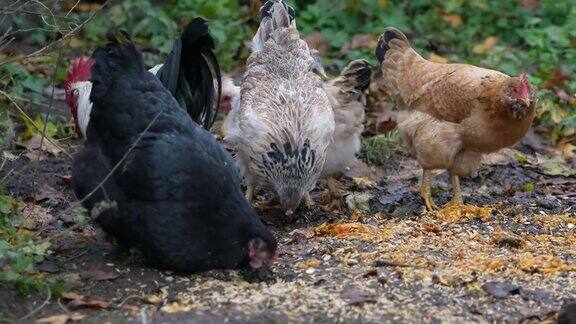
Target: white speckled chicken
{"x": 284, "y": 124}
{"x": 346, "y": 94}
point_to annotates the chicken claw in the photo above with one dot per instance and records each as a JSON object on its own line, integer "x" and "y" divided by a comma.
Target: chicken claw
{"x": 249, "y": 193}
{"x": 425, "y": 191}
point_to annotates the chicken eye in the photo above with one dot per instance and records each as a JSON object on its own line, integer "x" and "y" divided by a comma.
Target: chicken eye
{"x": 75, "y": 92}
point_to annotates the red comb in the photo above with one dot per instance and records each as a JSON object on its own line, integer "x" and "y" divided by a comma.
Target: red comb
{"x": 80, "y": 70}
{"x": 525, "y": 86}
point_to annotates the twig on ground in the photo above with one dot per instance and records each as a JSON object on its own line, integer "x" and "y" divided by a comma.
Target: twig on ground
{"x": 28, "y": 119}
{"x": 46, "y": 301}
{"x": 127, "y": 299}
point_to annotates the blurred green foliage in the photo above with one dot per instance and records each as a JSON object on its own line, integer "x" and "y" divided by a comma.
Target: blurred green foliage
{"x": 533, "y": 36}
{"x": 20, "y": 251}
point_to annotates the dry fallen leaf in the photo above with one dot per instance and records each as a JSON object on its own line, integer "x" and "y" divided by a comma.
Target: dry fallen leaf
{"x": 45, "y": 192}
{"x": 486, "y": 46}
{"x": 60, "y": 319}
{"x": 437, "y": 58}
{"x": 452, "y": 19}
{"x": 431, "y": 228}
{"x": 364, "y": 183}
{"x": 33, "y": 146}
{"x": 530, "y": 4}
{"x": 79, "y": 301}
{"x": 356, "y": 215}
{"x": 359, "y": 42}
{"x": 310, "y": 263}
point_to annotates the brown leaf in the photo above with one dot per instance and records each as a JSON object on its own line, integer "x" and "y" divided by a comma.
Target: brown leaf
{"x": 79, "y": 301}
{"x": 45, "y": 192}
{"x": 452, "y": 19}
{"x": 316, "y": 40}
{"x": 356, "y": 215}
{"x": 557, "y": 78}
{"x": 566, "y": 149}
{"x": 565, "y": 97}
{"x": 530, "y": 4}
{"x": 99, "y": 275}
{"x": 359, "y": 42}
{"x": 33, "y": 145}
{"x": 486, "y": 46}
{"x": 431, "y": 228}
{"x": 84, "y": 6}
{"x": 60, "y": 319}
{"x": 310, "y": 263}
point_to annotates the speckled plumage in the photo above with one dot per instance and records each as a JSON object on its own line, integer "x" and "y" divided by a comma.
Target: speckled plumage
{"x": 348, "y": 103}
{"x": 285, "y": 123}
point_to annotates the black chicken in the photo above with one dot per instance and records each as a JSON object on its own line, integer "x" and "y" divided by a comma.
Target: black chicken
{"x": 178, "y": 73}
{"x": 177, "y": 191}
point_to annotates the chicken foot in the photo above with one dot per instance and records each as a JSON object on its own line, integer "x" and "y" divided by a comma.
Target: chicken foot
{"x": 425, "y": 191}
{"x": 336, "y": 193}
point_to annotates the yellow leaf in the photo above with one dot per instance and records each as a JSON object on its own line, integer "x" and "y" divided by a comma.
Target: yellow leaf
{"x": 437, "y": 58}
{"x": 453, "y": 20}
{"x": 486, "y": 46}
{"x": 383, "y": 4}
{"x": 310, "y": 263}
{"x": 355, "y": 216}
{"x": 364, "y": 182}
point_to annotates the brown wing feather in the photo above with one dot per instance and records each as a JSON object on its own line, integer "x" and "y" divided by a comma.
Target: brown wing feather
{"x": 446, "y": 91}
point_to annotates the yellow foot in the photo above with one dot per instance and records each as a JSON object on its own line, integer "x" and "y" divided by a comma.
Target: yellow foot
{"x": 430, "y": 204}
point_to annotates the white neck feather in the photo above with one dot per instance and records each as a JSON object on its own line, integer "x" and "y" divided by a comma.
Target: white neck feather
{"x": 84, "y": 104}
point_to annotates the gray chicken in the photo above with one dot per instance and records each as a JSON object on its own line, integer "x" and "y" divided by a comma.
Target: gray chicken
{"x": 284, "y": 124}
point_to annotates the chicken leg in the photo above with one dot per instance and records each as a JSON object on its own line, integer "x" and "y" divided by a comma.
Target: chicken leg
{"x": 425, "y": 191}
{"x": 249, "y": 193}
{"x": 308, "y": 202}
{"x": 456, "y": 191}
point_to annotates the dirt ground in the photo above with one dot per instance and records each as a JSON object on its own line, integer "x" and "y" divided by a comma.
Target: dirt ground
{"x": 508, "y": 256}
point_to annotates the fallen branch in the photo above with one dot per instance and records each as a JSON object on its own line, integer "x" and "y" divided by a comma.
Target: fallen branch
{"x": 46, "y": 301}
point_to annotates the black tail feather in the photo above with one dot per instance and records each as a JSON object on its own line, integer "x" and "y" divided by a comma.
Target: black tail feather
{"x": 190, "y": 71}
{"x": 359, "y": 73}
{"x": 383, "y": 46}
{"x": 266, "y": 10}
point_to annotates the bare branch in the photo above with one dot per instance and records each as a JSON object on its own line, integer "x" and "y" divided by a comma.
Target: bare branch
{"x": 56, "y": 42}
{"x": 58, "y": 61}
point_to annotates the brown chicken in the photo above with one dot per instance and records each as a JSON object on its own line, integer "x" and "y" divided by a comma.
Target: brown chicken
{"x": 452, "y": 114}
